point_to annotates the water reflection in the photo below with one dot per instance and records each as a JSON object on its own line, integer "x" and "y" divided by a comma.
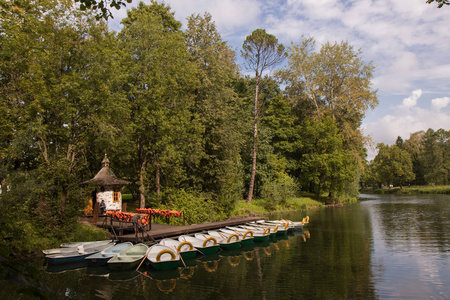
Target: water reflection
{"x": 411, "y": 245}
{"x": 384, "y": 247}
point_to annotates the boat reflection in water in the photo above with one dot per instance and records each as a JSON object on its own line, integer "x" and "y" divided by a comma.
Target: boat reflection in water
{"x": 210, "y": 262}
{"x": 188, "y": 272}
{"x": 123, "y": 275}
{"x": 166, "y": 286}
{"x": 66, "y": 267}
{"x": 102, "y": 271}
{"x": 166, "y": 280}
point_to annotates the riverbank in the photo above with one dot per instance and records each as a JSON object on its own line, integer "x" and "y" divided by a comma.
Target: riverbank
{"x": 264, "y": 207}
{"x": 413, "y": 190}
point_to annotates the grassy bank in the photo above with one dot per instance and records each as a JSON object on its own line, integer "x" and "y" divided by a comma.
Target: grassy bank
{"x": 261, "y": 206}
{"x": 413, "y": 190}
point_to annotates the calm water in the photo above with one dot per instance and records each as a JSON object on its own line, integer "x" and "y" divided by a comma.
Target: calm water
{"x": 385, "y": 247}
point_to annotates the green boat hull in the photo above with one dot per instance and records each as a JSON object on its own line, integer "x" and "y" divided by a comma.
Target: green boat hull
{"x": 261, "y": 239}
{"x": 209, "y": 250}
{"x": 247, "y": 242}
{"x": 188, "y": 254}
{"x": 165, "y": 265}
{"x": 230, "y": 246}
{"x": 124, "y": 266}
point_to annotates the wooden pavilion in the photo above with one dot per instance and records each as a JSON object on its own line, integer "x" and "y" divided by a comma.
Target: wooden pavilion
{"x": 108, "y": 188}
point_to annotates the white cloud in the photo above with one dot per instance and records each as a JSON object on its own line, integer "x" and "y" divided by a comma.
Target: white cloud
{"x": 439, "y": 103}
{"x": 411, "y": 101}
{"x": 229, "y": 15}
{"x": 408, "y": 118}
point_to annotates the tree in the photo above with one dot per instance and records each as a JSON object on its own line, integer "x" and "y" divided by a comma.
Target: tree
{"x": 332, "y": 82}
{"x": 439, "y": 2}
{"x": 261, "y": 51}
{"x": 279, "y": 118}
{"x": 325, "y": 165}
{"x": 393, "y": 165}
{"x": 399, "y": 142}
{"x": 414, "y": 146}
{"x": 217, "y": 111}
{"x": 160, "y": 84}
{"x": 436, "y": 156}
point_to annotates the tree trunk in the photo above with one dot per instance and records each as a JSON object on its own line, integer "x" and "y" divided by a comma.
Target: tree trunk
{"x": 3, "y": 186}
{"x": 142, "y": 164}
{"x": 255, "y": 144}
{"x": 318, "y": 190}
{"x": 63, "y": 198}
{"x": 141, "y": 189}
{"x": 158, "y": 179}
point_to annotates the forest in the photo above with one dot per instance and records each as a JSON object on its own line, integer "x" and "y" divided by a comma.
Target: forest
{"x": 174, "y": 112}
{"x": 423, "y": 159}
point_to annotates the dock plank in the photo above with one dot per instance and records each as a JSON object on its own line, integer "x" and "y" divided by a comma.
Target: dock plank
{"x": 160, "y": 231}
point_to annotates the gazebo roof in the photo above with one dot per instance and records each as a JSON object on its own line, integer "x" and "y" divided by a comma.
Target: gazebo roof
{"x": 106, "y": 177}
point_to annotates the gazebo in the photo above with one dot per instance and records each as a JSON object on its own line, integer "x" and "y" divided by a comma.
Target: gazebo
{"x": 108, "y": 187}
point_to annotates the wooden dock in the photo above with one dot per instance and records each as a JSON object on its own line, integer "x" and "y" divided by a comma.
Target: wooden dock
{"x": 160, "y": 231}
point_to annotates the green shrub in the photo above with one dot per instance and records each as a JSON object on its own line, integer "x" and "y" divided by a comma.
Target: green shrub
{"x": 259, "y": 206}
{"x": 278, "y": 191}
{"x": 127, "y": 197}
{"x": 195, "y": 208}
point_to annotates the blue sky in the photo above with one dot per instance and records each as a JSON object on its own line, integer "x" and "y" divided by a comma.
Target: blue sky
{"x": 407, "y": 40}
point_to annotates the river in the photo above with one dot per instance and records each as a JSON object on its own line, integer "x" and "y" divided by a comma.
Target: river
{"x": 384, "y": 247}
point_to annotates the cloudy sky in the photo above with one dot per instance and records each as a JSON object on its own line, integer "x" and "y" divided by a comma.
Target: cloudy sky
{"x": 407, "y": 40}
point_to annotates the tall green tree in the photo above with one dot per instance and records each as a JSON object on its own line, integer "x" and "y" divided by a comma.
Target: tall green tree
{"x": 261, "y": 51}
{"x": 414, "y": 146}
{"x": 279, "y": 118}
{"x": 217, "y": 109}
{"x": 325, "y": 164}
{"x": 436, "y": 156}
{"x": 392, "y": 165}
{"x": 332, "y": 82}
{"x": 160, "y": 92}
{"x": 335, "y": 81}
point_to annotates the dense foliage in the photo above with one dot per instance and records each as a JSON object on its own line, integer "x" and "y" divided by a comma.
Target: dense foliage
{"x": 173, "y": 113}
{"x": 423, "y": 159}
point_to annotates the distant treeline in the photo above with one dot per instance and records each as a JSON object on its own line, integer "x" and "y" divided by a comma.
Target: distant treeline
{"x": 173, "y": 112}
{"x": 423, "y": 159}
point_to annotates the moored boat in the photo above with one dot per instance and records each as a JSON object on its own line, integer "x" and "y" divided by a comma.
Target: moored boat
{"x": 185, "y": 249}
{"x": 162, "y": 257}
{"x": 270, "y": 230}
{"x": 78, "y": 254}
{"x": 84, "y": 244}
{"x": 258, "y": 234}
{"x": 208, "y": 246}
{"x": 246, "y": 237}
{"x": 226, "y": 241}
{"x": 73, "y": 247}
{"x": 129, "y": 258}
{"x": 293, "y": 225}
{"x": 280, "y": 228}
{"x": 305, "y": 221}
{"x": 101, "y": 258}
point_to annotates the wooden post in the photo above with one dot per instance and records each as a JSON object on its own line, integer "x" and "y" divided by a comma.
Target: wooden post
{"x": 95, "y": 213}
{"x": 124, "y": 207}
